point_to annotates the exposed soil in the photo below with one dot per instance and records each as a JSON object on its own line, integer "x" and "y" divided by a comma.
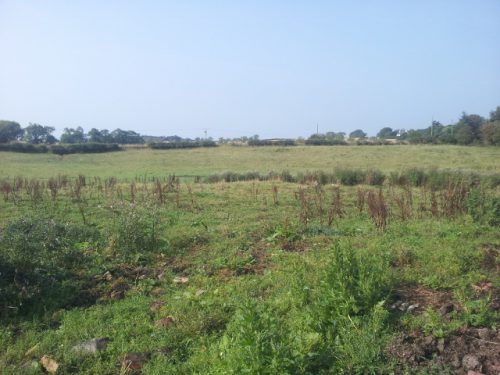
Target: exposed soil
{"x": 491, "y": 256}
{"x": 466, "y": 351}
{"x": 422, "y": 297}
{"x": 470, "y": 349}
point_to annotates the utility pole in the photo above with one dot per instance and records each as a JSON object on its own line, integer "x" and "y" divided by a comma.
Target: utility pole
{"x": 205, "y": 131}
{"x": 317, "y": 128}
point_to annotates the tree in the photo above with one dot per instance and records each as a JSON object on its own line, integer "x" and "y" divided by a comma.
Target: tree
{"x": 358, "y": 133}
{"x": 468, "y": 128}
{"x": 340, "y": 136}
{"x": 10, "y": 131}
{"x": 126, "y": 137}
{"x": 71, "y": 135}
{"x": 37, "y": 134}
{"x": 490, "y": 133}
{"x": 495, "y": 115}
{"x": 464, "y": 134}
{"x": 99, "y": 136}
{"x": 387, "y": 132}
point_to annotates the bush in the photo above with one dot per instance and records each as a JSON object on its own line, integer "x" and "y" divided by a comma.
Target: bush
{"x": 483, "y": 208}
{"x": 375, "y": 178}
{"x": 325, "y": 142}
{"x": 271, "y": 142}
{"x": 39, "y": 258}
{"x": 414, "y": 177}
{"x": 24, "y": 148}
{"x": 84, "y": 148}
{"x": 351, "y": 177}
{"x": 133, "y": 231}
{"x": 181, "y": 144}
{"x": 256, "y": 341}
{"x": 337, "y": 326}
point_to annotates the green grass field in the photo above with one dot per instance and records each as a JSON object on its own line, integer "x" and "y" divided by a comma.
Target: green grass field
{"x": 202, "y": 162}
{"x": 253, "y": 277}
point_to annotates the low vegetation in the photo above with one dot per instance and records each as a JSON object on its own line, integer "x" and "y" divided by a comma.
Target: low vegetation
{"x": 351, "y": 271}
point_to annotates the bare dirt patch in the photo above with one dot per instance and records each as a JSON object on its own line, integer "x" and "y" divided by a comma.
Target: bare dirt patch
{"x": 422, "y": 297}
{"x": 466, "y": 351}
{"x": 470, "y": 349}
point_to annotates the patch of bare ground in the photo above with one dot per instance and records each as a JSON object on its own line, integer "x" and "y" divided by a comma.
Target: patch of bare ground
{"x": 419, "y": 298}
{"x": 468, "y": 351}
{"x": 261, "y": 262}
{"x": 491, "y": 258}
{"x": 297, "y": 246}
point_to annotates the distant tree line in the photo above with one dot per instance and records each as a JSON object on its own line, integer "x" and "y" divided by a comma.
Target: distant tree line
{"x": 471, "y": 129}
{"x": 36, "y": 134}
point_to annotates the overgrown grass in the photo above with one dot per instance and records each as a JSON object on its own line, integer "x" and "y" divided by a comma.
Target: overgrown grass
{"x": 279, "y": 276}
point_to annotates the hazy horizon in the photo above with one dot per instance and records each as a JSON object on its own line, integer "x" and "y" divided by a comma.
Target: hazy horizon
{"x": 275, "y": 69}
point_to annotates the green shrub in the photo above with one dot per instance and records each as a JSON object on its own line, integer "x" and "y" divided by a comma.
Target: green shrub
{"x": 271, "y": 142}
{"x": 84, "y": 148}
{"x": 256, "y": 341}
{"x": 413, "y": 177}
{"x": 483, "y": 207}
{"x": 38, "y": 258}
{"x": 375, "y": 178}
{"x": 325, "y": 142}
{"x": 24, "y": 148}
{"x": 181, "y": 144}
{"x": 134, "y": 231}
{"x": 351, "y": 177}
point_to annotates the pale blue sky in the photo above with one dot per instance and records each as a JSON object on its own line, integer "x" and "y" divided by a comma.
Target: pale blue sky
{"x": 273, "y": 68}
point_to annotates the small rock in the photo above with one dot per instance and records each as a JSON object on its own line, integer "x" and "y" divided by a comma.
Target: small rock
{"x": 429, "y": 341}
{"x": 49, "y": 364}
{"x": 91, "y": 346}
{"x": 396, "y": 304}
{"x": 446, "y": 308}
{"x": 403, "y": 306}
{"x": 133, "y": 362}
{"x": 107, "y": 276}
{"x": 484, "y": 333}
{"x": 165, "y": 322}
{"x": 455, "y": 361}
{"x": 117, "y": 294}
{"x": 412, "y": 308}
{"x": 181, "y": 280}
{"x": 470, "y": 362}
{"x": 440, "y": 345}
{"x": 156, "y": 306}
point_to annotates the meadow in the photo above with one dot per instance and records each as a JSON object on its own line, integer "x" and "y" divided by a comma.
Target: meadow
{"x": 350, "y": 260}
{"x": 144, "y": 162}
